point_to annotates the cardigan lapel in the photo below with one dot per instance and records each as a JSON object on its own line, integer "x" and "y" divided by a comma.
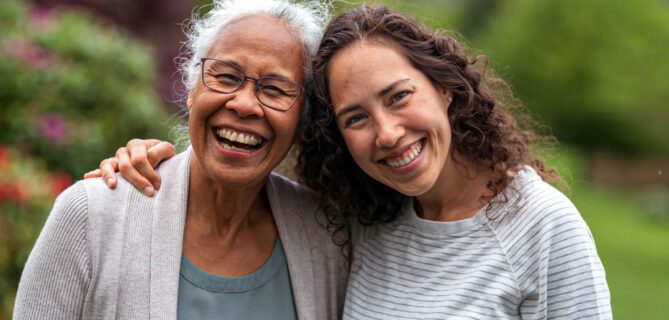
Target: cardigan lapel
{"x": 167, "y": 228}
{"x": 296, "y": 247}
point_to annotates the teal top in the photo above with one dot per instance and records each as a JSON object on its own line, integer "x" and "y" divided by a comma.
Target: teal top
{"x": 264, "y": 294}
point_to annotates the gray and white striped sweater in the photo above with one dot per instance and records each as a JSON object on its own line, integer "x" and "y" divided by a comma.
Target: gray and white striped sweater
{"x": 532, "y": 257}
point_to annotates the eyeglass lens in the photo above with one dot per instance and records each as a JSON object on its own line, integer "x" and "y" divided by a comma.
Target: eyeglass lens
{"x": 273, "y": 92}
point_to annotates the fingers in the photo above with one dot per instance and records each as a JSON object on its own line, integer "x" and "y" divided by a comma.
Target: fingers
{"x": 136, "y": 162}
{"x": 130, "y": 173}
{"x": 108, "y": 168}
{"x": 97, "y": 173}
{"x": 139, "y": 159}
{"x": 159, "y": 152}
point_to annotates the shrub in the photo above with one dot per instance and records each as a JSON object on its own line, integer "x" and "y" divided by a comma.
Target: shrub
{"x": 72, "y": 90}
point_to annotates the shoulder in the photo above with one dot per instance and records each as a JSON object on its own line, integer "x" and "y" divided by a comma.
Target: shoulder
{"x": 70, "y": 210}
{"x": 538, "y": 213}
{"x": 180, "y": 164}
{"x": 295, "y": 205}
{"x": 531, "y": 198}
{"x": 290, "y": 193}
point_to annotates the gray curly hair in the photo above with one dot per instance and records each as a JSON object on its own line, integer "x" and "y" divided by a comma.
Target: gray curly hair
{"x": 307, "y": 19}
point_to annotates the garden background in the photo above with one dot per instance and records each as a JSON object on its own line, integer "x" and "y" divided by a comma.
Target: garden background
{"x": 78, "y": 78}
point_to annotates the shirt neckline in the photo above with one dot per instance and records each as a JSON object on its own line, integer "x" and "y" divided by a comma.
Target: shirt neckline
{"x": 215, "y": 283}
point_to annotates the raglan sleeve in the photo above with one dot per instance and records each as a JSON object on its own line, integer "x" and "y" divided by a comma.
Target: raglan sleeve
{"x": 569, "y": 278}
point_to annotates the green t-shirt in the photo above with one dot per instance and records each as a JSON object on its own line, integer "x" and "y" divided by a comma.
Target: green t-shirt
{"x": 264, "y": 294}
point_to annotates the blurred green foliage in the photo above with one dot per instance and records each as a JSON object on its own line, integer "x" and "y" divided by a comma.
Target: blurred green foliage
{"x": 595, "y": 71}
{"x": 72, "y": 90}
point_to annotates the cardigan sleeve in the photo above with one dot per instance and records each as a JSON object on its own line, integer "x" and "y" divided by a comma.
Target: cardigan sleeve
{"x": 56, "y": 276}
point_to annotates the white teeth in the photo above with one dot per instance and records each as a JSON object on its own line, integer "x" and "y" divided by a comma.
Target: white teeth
{"x": 229, "y": 147}
{"x": 408, "y": 158}
{"x": 239, "y": 137}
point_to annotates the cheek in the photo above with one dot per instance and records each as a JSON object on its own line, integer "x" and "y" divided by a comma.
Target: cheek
{"x": 285, "y": 126}
{"x": 358, "y": 147}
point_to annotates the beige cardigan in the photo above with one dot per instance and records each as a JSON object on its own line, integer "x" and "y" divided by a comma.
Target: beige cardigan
{"x": 115, "y": 254}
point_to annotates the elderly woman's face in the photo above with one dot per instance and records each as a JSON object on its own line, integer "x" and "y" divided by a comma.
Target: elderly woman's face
{"x": 236, "y": 140}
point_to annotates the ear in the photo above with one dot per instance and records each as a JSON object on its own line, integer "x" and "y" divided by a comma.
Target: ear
{"x": 448, "y": 96}
{"x": 189, "y": 101}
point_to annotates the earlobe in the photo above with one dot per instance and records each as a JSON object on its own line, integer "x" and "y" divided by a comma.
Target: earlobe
{"x": 448, "y": 95}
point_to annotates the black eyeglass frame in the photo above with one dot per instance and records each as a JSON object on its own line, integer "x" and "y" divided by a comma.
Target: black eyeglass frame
{"x": 255, "y": 80}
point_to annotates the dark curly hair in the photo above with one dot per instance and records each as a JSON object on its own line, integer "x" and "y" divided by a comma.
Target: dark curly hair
{"x": 484, "y": 132}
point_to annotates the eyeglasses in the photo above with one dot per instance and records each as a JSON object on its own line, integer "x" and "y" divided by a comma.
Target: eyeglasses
{"x": 272, "y": 92}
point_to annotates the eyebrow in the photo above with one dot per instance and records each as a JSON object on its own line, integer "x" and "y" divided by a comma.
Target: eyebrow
{"x": 381, "y": 93}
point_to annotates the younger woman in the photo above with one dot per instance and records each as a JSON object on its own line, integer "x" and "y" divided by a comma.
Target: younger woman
{"x": 411, "y": 137}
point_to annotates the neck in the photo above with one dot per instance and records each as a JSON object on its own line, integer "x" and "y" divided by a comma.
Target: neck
{"x": 459, "y": 192}
{"x": 223, "y": 212}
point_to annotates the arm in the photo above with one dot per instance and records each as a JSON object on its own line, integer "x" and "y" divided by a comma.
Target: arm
{"x": 136, "y": 162}
{"x": 57, "y": 274}
{"x": 571, "y": 279}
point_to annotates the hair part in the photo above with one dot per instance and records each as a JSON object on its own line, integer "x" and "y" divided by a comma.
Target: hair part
{"x": 484, "y": 132}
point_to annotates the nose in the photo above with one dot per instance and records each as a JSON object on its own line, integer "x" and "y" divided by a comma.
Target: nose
{"x": 244, "y": 102}
{"x": 388, "y": 132}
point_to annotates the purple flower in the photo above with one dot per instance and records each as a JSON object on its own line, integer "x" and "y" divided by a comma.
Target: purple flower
{"x": 54, "y": 128}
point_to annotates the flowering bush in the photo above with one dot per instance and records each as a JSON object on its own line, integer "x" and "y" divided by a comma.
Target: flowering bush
{"x": 27, "y": 191}
{"x": 72, "y": 90}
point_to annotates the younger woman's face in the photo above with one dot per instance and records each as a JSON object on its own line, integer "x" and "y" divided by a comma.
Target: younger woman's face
{"x": 392, "y": 117}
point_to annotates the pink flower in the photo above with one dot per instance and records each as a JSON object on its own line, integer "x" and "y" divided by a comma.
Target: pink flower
{"x": 54, "y": 128}
{"x": 28, "y": 52}
{"x": 41, "y": 18}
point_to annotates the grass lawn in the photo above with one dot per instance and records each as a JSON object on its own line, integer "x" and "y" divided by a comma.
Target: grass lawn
{"x": 633, "y": 247}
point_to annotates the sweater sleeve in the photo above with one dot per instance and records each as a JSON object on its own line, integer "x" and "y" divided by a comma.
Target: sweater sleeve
{"x": 564, "y": 277}
{"x": 57, "y": 274}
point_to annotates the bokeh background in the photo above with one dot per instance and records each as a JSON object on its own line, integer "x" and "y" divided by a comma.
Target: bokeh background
{"x": 78, "y": 78}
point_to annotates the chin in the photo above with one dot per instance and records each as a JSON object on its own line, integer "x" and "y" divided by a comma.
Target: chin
{"x": 411, "y": 190}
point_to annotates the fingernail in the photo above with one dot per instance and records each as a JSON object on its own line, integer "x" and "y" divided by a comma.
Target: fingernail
{"x": 148, "y": 191}
{"x": 110, "y": 181}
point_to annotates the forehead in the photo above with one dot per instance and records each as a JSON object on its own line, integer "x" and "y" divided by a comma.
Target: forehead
{"x": 261, "y": 44}
{"x": 365, "y": 67}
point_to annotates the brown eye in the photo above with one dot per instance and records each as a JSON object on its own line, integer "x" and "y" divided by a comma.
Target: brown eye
{"x": 353, "y": 120}
{"x": 399, "y": 96}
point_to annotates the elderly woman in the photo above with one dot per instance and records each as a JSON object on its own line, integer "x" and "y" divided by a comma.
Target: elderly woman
{"x": 224, "y": 237}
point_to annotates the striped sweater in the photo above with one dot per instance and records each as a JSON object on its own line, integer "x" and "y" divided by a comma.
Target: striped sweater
{"x": 532, "y": 257}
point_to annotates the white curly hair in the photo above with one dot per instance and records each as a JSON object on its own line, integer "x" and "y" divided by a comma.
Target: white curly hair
{"x": 307, "y": 19}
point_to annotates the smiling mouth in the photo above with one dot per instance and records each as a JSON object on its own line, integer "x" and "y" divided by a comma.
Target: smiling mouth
{"x": 406, "y": 157}
{"x": 238, "y": 141}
